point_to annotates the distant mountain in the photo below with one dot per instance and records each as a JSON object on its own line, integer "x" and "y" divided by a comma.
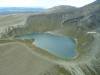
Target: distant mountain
{"x": 8, "y": 10}
{"x": 56, "y": 18}
{"x": 88, "y": 17}
{"x": 61, "y": 8}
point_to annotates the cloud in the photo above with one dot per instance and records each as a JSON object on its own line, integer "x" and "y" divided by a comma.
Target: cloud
{"x": 43, "y": 3}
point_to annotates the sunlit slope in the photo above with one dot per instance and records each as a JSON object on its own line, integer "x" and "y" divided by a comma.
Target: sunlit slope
{"x": 10, "y": 21}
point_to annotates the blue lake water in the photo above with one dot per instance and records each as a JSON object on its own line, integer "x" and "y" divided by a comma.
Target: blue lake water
{"x": 60, "y": 46}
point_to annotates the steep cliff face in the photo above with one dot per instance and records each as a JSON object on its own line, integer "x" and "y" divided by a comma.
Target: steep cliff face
{"x": 85, "y": 16}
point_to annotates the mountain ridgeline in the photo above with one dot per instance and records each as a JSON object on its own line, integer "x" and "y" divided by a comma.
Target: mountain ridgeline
{"x": 87, "y": 17}
{"x": 64, "y": 18}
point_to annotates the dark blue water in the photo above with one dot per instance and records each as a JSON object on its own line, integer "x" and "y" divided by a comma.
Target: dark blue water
{"x": 60, "y": 46}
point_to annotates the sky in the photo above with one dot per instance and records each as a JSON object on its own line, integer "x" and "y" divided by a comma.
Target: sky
{"x": 43, "y": 3}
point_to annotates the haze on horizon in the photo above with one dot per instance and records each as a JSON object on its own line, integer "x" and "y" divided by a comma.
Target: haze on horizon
{"x": 43, "y": 3}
